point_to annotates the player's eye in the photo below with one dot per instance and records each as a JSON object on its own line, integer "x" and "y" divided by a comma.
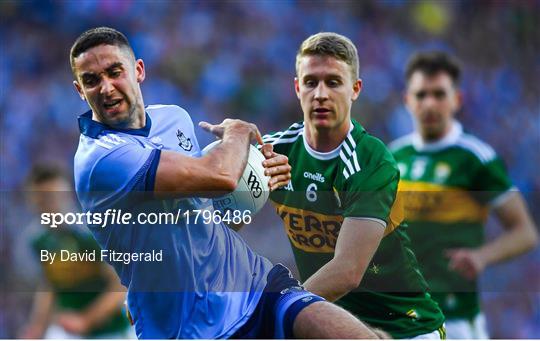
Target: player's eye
{"x": 310, "y": 83}
{"x": 90, "y": 81}
{"x": 420, "y": 95}
{"x": 439, "y": 94}
{"x": 115, "y": 73}
{"x": 333, "y": 83}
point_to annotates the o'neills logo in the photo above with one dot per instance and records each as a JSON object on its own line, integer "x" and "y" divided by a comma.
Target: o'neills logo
{"x": 310, "y": 231}
{"x": 316, "y": 177}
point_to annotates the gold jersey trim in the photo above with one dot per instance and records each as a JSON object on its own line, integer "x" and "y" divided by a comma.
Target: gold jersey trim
{"x": 431, "y": 202}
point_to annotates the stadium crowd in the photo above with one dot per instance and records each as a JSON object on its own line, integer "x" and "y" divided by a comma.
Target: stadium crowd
{"x": 218, "y": 59}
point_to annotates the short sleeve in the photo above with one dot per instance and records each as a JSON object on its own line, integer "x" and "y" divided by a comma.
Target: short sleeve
{"x": 371, "y": 194}
{"x": 125, "y": 169}
{"x": 491, "y": 181}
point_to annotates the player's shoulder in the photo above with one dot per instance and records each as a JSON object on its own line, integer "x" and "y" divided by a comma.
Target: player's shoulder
{"x": 368, "y": 148}
{"x": 103, "y": 151}
{"x": 363, "y": 152}
{"x": 401, "y": 143}
{"x": 286, "y": 136}
{"x": 285, "y": 139}
{"x": 105, "y": 143}
{"x": 475, "y": 147}
{"x": 167, "y": 111}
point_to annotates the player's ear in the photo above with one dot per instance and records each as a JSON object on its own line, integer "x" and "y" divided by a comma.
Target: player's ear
{"x": 297, "y": 87}
{"x": 357, "y": 88}
{"x": 139, "y": 70}
{"x": 407, "y": 99}
{"x": 459, "y": 99}
{"x": 79, "y": 90}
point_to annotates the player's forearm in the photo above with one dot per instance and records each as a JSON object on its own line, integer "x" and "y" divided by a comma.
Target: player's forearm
{"x": 332, "y": 281}
{"x": 520, "y": 234}
{"x": 510, "y": 244}
{"x": 230, "y": 156}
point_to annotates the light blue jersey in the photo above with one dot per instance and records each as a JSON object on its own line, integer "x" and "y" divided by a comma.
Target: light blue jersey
{"x": 209, "y": 281}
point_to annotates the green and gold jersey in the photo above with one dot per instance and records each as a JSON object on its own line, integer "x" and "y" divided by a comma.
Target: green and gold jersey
{"x": 76, "y": 284}
{"x": 358, "y": 180}
{"x": 447, "y": 187}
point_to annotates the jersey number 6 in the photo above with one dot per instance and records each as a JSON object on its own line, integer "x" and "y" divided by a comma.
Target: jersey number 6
{"x": 311, "y": 192}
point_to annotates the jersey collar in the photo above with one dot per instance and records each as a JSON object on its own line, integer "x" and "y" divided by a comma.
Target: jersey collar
{"x": 331, "y": 154}
{"x": 450, "y": 139}
{"x": 93, "y": 129}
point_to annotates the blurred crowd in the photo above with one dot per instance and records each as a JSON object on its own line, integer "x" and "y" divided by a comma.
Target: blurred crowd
{"x": 236, "y": 59}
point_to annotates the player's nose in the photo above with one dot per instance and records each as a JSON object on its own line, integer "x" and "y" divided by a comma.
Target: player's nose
{"x": 107, "y": 87}
{"x": 321, "y": 92}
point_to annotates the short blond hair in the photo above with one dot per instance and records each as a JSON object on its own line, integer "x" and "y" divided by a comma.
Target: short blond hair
{"x": 333, "y": 45}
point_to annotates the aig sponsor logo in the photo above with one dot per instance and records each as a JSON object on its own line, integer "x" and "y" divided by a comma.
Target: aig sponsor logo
{"x": 310, "y": 231}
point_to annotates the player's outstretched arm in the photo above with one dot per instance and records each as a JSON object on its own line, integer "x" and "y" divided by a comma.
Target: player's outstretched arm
{"x": 356, "y": 244}
{"x": 219, "y": 170}
{"x": 519, "y": 237}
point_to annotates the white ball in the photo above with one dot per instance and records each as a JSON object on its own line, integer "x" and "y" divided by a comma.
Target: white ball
{"x": 252, "y": 191}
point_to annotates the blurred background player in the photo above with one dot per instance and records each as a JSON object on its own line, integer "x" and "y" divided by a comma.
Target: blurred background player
{"x": 450, "y": 180}
{"x": 340, "y": 210}
{"x": 76, "y": 299}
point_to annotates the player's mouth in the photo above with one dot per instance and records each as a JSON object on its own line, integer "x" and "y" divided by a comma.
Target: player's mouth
{"x": 321, "y": 112}
{"x": 112, "y": 105}
{"x": 430, "y": 119}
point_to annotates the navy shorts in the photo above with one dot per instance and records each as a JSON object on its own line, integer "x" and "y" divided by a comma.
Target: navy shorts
{"x": 282, "y": 299}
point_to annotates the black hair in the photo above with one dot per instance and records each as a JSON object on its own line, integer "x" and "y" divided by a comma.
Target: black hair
{"x": 433, "y": 62}
{"x": 97, "y": 36}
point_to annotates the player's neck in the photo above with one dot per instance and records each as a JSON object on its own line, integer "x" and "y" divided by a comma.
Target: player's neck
{"x": 326, "y": 140}
{"x": 433, "y": 138}
{"x": 135, "y": 121}
{"x": 139, "y": 121}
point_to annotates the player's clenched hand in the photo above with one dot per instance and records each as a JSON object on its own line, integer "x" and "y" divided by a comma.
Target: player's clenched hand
{"x": 276, "y": 166}
{"x": 231, "y": 125}
{"x": 73, "y": 323}
{"x": 466, "y": 262}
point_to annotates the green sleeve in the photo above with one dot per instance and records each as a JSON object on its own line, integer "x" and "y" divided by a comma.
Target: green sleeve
{"x": 371, "y": 193}
{"x": 491, "y": 180}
